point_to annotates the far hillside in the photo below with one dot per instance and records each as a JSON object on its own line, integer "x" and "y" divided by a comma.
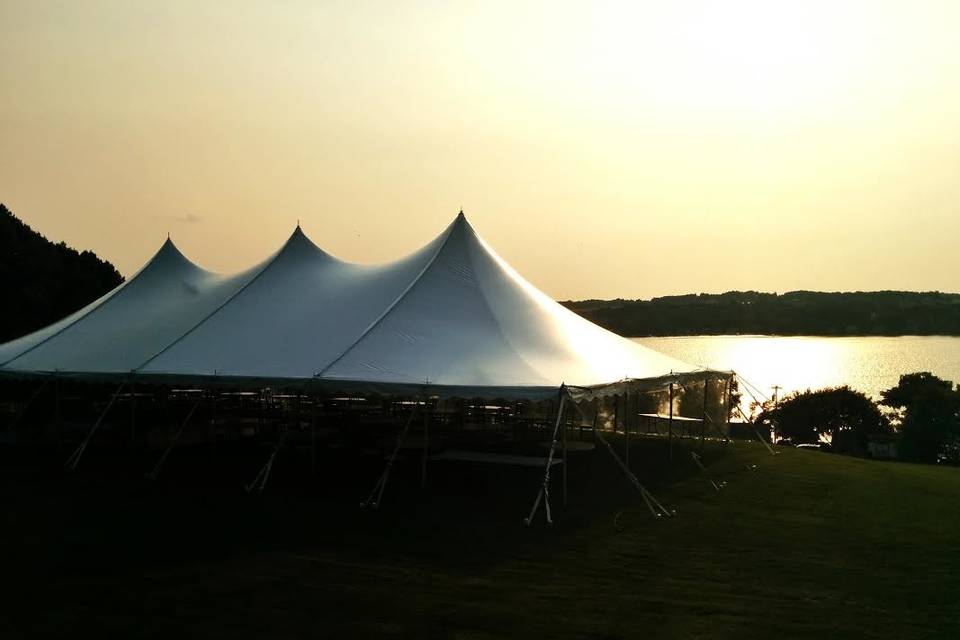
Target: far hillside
{"x": 42, "y": 281}
{"x": 872, "y": 313}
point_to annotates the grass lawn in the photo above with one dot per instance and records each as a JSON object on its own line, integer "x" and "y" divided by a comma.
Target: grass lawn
{"x": 804, "y": 545}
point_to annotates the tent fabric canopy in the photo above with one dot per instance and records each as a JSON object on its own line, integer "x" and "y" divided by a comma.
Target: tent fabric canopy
{"x": 452, "y": 315}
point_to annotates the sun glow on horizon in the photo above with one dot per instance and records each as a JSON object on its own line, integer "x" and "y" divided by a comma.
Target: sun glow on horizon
{"x": 752, "y": 54}
{"x": 822, "y": 131}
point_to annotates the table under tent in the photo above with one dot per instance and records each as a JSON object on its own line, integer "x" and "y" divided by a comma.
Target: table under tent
{"x": 448, "y": 351}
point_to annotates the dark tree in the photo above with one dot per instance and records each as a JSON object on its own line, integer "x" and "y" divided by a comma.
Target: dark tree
{"x": 42, "y": 282}
{"x": 735, "y": 396}
{"x": 928, "y": 410}
{"x": 846, "y": 416}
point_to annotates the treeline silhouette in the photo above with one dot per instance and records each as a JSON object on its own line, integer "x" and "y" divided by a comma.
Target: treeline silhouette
{"x": 41, "y": 281}
{"x": 795, "y": 313}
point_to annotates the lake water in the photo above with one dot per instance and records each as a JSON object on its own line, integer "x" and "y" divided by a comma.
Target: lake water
{"x": 868, "y": 364}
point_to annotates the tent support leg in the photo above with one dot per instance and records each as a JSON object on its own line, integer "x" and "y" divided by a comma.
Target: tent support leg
{"x": 155, "y": 472}
{"x": 133, "y": 418}
{"x": 656, "y": 509}
{"x": 703, "y": 419}
{"x": 626, "y": 430}
{"x": 57, "y": 426}
{"x": 426, "y": 446}
{"x": 616, "y": 414}
{"x": 726, "y": 410}
{"x": 381, "y": 484}
{"x": 544, "y": 492}
{"x": 596, "y": 416}
{"x": 74, "y": 459}
{"x": 213, "y": 426}
{"x": 564, "y": 466}
{"x": 313, "y": 436}
{"x": 670, "y": 423}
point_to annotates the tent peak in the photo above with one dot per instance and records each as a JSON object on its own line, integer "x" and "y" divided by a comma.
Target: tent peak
{"x": 299, "y": 242}
{"x": 461, "y": 220}
{"x": 169, "y": 247}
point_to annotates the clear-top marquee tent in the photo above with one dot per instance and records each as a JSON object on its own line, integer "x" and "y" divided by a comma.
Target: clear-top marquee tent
{"x": 453, "y": 317}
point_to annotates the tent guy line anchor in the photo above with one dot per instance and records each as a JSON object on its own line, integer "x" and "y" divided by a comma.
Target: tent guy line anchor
{"x": 381, "y": 484}
{"x": 26, "y": 405}
{"x": 656, "y": 509}
{"x": 717, "y": 486}
{"x": 260, "y": 481}
{"x": 757, "y": 433}
{"x": 155, "y": 472}
{"x": 74, "y": 459}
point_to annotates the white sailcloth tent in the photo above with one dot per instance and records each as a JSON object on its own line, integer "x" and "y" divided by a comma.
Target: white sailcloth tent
{"x": 452, "y": 316}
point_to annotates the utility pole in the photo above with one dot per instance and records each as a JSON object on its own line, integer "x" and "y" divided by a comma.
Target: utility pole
{"x": 775, "y": 400}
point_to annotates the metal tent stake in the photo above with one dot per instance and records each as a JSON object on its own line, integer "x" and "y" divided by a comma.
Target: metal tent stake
{"x": 544, "y": 492}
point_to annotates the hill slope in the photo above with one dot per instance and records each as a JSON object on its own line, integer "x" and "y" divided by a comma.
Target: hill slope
{"x": 41, "y": 281}
{"x": 805, "y": 545}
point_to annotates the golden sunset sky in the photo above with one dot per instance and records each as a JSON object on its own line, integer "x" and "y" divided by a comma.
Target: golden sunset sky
{"x": 605, "y": 149}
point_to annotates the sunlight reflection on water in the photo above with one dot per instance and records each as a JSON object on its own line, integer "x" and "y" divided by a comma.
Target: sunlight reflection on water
{"x": 868, "y": 364}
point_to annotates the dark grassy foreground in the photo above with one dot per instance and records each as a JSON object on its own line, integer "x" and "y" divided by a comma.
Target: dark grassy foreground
{"x": 806, "y": 545}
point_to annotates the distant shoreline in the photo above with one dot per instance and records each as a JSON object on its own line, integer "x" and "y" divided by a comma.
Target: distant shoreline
{"x": 793, "y": 335}
{"x": 797, "y": 313}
